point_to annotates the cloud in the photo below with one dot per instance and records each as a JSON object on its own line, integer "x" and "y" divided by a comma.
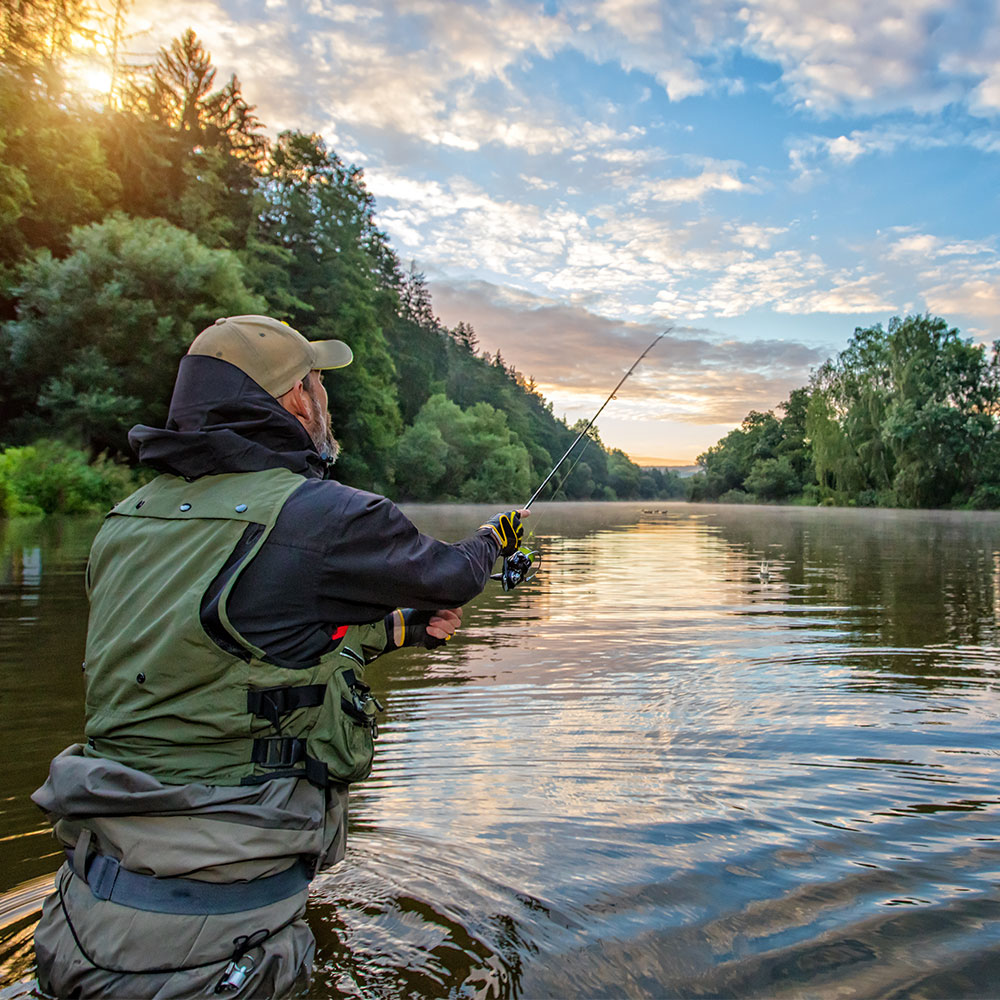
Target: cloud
{"x": 808, "y": 155}
{"x": 693, "y": 375}
{"x": 956, "y": 278}
{"x": 679, "y": 189}
{"x": 979, "y": 298}
{"x": 484, "y": 164}
{"x": 898, "y": 54}
{"x": 445, "y": 72}
{"x": 911, "y": 247}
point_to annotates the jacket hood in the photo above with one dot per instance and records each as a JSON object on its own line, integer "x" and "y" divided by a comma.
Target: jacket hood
{"x": 219, "y": 421}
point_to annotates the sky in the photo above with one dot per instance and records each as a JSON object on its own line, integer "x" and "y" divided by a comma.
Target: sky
{"x": 760, "y": 177}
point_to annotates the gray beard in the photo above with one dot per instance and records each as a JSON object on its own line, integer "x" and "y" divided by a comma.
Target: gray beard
{"x": 321, "y": 431}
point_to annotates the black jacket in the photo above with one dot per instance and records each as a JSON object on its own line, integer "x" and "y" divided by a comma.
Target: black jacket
{"x": 337, "y": 555}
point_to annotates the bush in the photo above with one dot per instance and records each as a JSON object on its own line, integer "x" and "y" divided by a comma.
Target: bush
{"x": 736, "y": 496}
{"x": 810, "y": 495}
{"x": 50, "y": 477}
{"x": 772, "y": 479}
{"x": 986, "y": 496}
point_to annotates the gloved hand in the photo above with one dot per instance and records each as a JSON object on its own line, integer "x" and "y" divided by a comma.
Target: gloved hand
{"x": 430, "y": 629}
{"x": 507, "y": 529}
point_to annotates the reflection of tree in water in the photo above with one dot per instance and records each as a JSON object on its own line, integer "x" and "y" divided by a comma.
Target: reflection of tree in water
{"x": 917, "y": 588}
{"x": 43, "y": 620}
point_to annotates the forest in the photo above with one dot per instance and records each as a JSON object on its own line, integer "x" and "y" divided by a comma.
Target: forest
{"x": 904, "y": 416}
{"x": 129, "y": 225}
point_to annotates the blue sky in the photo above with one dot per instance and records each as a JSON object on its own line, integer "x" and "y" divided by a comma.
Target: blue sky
{"x": 760, "y": 175}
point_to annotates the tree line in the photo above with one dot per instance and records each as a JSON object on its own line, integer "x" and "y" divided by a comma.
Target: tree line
{"x": 127, "y": 228}
{"x": 904, "y": 416}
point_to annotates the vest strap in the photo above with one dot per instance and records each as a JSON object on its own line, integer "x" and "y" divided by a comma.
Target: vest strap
{"x": 272, "y": 703}
{"x": 317, "y": 773}
{"x": 108, "y": 880}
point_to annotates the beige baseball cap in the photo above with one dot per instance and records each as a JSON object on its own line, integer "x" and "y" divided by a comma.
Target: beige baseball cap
{"x": 273, "y": 354}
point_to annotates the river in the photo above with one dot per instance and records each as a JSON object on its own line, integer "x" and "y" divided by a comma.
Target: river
{"x": 706, "y": 752}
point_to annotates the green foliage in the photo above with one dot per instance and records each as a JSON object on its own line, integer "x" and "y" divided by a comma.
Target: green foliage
{"x": 446, "y": 443}
{"x": 904, "y": 415}
{"x": 909, "y": 415}
{"x": 321, "y": 214}
{"x": 207, "y": 145}
{"x": 765, "y": 456}
{"x": 624, "y": 475}
{"x": 96, "y": 308}
{"x": 772, "y": 479}
{"x": 99, "y": 334}
{"x": 54, "y": 173}
{"x": 660, "y": 484}
{"x": 35, "y": 34}
{"x": 50, "y": 477}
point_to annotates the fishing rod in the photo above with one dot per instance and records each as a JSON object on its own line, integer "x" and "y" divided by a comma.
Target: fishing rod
{"x": 611, "y": 395}
{"x": 516, "y": 566}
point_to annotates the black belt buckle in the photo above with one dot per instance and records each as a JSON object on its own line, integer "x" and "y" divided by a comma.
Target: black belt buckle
{"x": 280, "y": 751}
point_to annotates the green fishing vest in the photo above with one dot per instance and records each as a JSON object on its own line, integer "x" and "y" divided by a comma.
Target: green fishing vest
{"x": 165, "y": 697}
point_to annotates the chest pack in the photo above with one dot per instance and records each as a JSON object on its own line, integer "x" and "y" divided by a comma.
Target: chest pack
{"x": 167, "y": 697}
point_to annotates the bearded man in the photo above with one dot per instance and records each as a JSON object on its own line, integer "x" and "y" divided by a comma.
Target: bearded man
{"x": 235, "y": 601}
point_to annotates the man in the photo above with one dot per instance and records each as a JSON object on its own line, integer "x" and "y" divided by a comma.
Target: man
{"x": 235, "y": 601}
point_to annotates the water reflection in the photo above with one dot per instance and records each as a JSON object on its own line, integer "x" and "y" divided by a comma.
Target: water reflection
{"x": 706, "y": 752}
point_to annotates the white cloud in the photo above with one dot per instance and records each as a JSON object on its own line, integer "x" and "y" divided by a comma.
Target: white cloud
{"x": 852, "y": 54}
{"x": 979, "y": 298}
{"x": 955, "y": 278}
{"x": 925, "y": 246}
{"x": 679, "y": 189}
{"x": 694, "y": 375}
{"x": 808, "y": 155}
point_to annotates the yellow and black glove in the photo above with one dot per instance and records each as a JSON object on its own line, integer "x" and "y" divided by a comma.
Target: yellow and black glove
{"x": 507, "y": 529}
{"x": 408, "y": 627}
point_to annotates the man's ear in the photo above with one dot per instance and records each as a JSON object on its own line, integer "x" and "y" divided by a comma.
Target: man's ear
{"x": 296, "y": 401}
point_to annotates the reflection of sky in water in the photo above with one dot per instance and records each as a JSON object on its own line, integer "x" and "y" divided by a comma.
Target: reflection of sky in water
{"x": 656, "y": 770}
{"x": 650, "y": 703}
{"x": 31, "y": 567}
{"x": 31, "y": 575}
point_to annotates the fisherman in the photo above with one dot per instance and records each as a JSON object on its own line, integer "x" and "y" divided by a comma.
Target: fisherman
{"x": 235, "y": 601}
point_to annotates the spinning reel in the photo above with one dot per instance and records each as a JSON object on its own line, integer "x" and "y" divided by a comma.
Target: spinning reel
{"x": 516, "y": 568}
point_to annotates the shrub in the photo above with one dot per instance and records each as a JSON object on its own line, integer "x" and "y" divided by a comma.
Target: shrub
{"x": 736, "y": 496}
{"x": 50, "y": 477}
{"x": 986, "y": 496}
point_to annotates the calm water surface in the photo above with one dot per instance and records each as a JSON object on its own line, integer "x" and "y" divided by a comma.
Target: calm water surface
{"x": 707, "y": 752}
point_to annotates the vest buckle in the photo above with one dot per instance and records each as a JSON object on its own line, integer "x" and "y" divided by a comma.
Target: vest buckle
{"x": 278, "y": 751}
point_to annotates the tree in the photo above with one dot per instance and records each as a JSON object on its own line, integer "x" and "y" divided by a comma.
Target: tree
{"x": 772, "y": 479}
{"x": 727, "y": 464}
{"x": 320, "y": 213}
{"x": 35, "y": 34}
{"x": 53, "y": 172}
{"x": 472, "y": 455}
{"x": 906, "y": 415}
{"x": 623, "y": 475}
{"x": 202, "y": 147}
{"x": 99, "y": 334}
{"x": 418, "y": 344}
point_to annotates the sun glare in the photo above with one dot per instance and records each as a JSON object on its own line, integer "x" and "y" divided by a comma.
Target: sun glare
{"x": 88, "y": 76}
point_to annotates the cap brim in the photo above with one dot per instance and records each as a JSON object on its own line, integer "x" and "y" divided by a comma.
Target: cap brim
{"x": 331, "y": 354}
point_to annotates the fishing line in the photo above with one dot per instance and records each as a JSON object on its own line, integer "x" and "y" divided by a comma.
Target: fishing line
{"x": 611, "y": 395}
{"x": 516, "y": 566}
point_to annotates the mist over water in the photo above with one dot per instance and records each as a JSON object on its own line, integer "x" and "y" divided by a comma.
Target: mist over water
{"x": 707, "y": 751}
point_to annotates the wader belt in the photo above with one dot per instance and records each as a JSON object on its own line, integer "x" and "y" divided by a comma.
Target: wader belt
{"x": 108, "y": 880}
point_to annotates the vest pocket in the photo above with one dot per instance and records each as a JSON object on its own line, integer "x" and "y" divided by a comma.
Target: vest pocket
{"x": 344, "y": 734}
